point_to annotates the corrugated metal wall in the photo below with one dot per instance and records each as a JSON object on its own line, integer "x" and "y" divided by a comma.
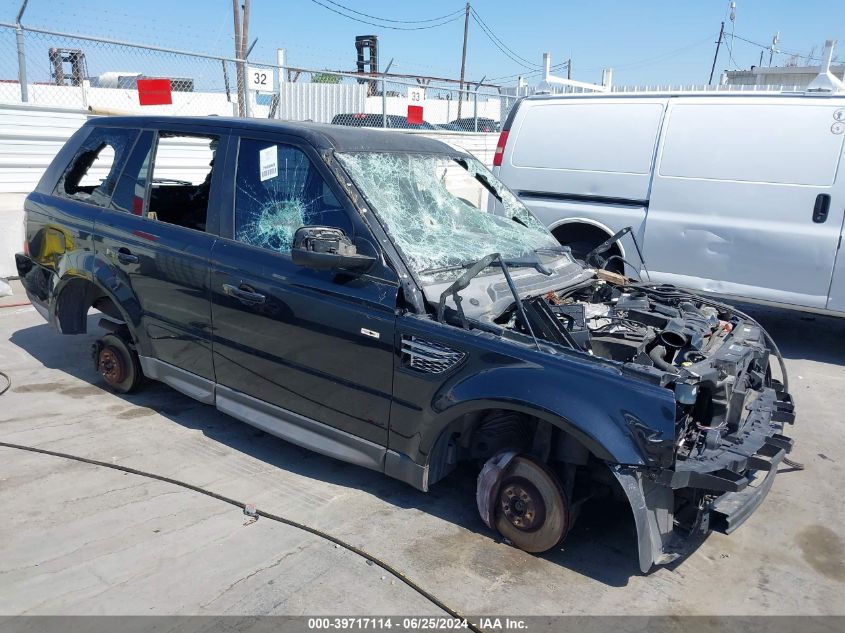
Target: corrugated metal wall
{"x": 29, "y": 139}
{"x": 320, "y": 102}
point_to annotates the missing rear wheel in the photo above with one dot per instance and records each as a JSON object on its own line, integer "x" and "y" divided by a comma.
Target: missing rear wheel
{"x": 118, "y": 364}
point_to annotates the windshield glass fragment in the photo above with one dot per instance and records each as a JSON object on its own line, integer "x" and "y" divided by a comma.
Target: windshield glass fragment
{"x": 438, "y": 209}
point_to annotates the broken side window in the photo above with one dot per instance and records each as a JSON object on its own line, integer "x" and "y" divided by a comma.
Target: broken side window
{"x": 93, "y": 172}
{"x": 181, "y": 180}
{"x": 278, "y": 190}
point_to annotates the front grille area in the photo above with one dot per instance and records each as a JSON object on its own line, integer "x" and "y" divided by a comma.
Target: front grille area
{"x": 427, "y": 356}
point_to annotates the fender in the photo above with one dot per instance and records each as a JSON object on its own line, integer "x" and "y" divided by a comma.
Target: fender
{"x": 618, "y": 418}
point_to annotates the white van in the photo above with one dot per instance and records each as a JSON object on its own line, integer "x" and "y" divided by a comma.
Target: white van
{"x": 729, "y": 193}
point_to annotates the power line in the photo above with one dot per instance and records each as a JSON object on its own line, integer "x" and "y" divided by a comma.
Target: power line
{"x": 375, "y": 17}
{"x": 526, "y": 75}
{"x": 385, "y": 26}
{"x": 779, "y": 51}
{"x": 514, "y": 56}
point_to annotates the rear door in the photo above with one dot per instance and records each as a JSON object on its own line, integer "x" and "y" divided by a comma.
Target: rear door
{"x": 745, "y": 199}
{"x": 157, "y": 236}
{"x": 315, "y": 345}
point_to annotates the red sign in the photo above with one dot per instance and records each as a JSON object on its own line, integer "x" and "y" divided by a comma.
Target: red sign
{"x": 154, "y": 92}
{"x": 415, "y": 115}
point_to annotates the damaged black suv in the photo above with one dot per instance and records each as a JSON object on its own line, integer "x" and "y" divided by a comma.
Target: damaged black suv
{"x": 383, "y": 299}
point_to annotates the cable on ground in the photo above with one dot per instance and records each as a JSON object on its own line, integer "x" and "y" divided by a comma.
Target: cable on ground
{"x": 267, "y": 515}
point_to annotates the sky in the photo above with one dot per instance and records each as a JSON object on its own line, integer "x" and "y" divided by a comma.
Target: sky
{"x": 649, "y": 42}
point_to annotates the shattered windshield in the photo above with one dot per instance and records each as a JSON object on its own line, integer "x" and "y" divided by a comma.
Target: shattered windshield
{"x": 437, "y": 209}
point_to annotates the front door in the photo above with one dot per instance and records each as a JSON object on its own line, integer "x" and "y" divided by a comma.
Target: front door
{"x": 746, "y": 199}
{"x": 317, "y": 344}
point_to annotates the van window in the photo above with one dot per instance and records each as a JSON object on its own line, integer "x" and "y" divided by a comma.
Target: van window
{"x": 775, "y": 143}
{"x": 92, "y": 174}
{"x": 589, "y": 135}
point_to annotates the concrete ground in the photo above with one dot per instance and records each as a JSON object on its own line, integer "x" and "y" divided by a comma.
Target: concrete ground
{"x": 81, "y": 539}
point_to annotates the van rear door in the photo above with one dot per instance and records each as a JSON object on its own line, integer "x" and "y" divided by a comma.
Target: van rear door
{"x": 745, "y": 198}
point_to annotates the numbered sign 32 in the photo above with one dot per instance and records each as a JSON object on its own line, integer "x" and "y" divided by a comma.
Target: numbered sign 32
{"x": 260, "y": 79}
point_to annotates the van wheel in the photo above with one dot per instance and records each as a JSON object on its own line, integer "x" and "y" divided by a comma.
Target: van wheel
{"x": 532, "y": 511}
{"x": 118, "y": 364}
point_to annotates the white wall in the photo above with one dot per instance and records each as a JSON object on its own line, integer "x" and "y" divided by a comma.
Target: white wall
{"x": 31, "y": 136}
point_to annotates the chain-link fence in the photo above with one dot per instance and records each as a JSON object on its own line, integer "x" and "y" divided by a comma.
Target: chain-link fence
{"x": 49, "y": 68}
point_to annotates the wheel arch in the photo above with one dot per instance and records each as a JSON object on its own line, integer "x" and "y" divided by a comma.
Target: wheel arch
{"x": 74, "y": 296}
{"x": 466, "y": 419}
{"x": 588, "y": 227}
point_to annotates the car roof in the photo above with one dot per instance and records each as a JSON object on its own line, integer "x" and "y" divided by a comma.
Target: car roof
{"x": 322, "y": 136}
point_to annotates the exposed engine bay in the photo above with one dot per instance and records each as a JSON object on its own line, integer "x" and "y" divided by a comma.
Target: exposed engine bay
{"x": 714, "y": 358}
{"x": 716, "y": 361}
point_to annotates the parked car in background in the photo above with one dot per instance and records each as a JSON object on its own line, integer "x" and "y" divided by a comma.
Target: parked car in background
{"x": 736, "y": 194}
{"x": 471, "y": 124}
{"x": 348, "y": 290}
{"x": 394, "y": 121}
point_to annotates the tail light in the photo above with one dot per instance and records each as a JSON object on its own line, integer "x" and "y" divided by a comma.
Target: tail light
{"x": 500, "y": 148}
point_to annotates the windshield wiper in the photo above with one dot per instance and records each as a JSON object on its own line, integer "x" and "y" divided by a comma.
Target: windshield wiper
{"x": 464, "y": 280}
{"x": 513, "y": 263}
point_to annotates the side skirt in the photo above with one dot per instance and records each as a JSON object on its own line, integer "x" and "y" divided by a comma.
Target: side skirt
{"x": 288, "y": 425}
{"x": 300, "y": 430}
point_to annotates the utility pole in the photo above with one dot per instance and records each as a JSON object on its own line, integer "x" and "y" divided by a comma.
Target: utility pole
{"x": 775, "y": 41}
{"x": 463, "y": 59}
{"x": 715, "y": 57}
{"x": 241, "y": 38}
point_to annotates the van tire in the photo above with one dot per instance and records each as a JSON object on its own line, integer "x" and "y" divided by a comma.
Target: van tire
{"x": 118, "y": 364}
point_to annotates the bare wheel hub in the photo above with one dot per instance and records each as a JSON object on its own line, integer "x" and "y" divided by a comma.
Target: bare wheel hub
{"x": 111, "y": 366}
{"x": 522, "y": 504}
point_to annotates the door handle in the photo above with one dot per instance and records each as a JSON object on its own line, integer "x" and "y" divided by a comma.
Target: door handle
{"x": 244, "y": 294}
{"x": 123, "y": 255}
{"x": 821, "y": 208}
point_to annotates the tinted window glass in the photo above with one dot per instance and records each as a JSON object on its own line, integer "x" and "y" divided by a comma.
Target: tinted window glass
{"x": 278, "y": 190}
{"x": 92, "y": 174}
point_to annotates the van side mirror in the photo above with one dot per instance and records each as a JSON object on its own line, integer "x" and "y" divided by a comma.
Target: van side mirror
{"x": 327, "y": 248}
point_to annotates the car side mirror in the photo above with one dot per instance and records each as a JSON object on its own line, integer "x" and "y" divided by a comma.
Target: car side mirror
{"x": 327, "y": 248}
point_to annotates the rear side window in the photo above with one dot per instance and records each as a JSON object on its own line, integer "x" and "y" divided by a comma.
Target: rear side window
{"x": 278, "y": 190}
{"x": 92, "y": 174}
{"x": 775, "y": 143}
{"x": 589, "y": 135}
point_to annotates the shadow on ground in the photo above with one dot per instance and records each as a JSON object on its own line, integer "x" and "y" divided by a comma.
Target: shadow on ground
{"x": 802, "y": 335}
{"x": 600, "y": 546}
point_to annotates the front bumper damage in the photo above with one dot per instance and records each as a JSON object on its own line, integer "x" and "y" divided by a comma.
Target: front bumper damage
{"x": 727, "y": 482}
